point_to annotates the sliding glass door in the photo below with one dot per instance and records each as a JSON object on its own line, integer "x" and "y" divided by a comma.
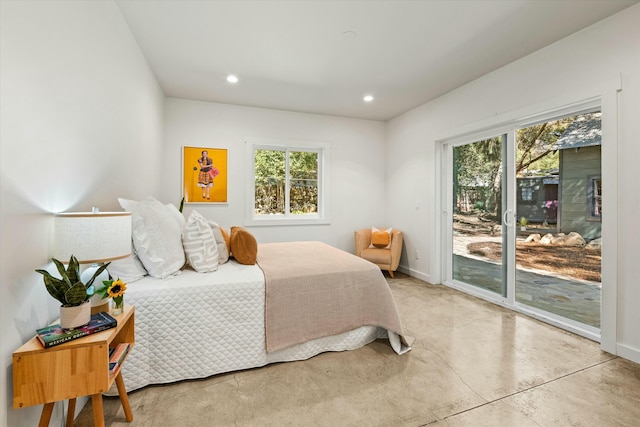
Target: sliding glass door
{"x": 477, "y": 205}
{"x": 523, "y": 218}
{"x": 559, "y": 213}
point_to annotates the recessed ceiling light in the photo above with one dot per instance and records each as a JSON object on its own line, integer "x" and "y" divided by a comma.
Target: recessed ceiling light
{"x": 349, "y": 35}
{"x": 368, "y": 98}
{"x": 232, "y": 79}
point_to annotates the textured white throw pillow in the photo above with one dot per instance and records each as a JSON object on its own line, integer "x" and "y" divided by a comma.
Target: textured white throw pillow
{"x": 156, "y": 235}
{"x": 223, "y": 253}
{"x": 200, "y": 244}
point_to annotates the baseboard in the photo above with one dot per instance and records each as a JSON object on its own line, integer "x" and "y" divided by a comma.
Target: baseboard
{"x": 414, "y": 273}
{"x": 628, "y": 352}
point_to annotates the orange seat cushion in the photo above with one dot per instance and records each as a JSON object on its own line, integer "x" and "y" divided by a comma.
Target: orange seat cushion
{"x": 377, "y": 256}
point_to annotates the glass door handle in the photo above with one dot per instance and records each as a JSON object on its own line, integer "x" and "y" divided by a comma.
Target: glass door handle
{"x": 505, "y": 218}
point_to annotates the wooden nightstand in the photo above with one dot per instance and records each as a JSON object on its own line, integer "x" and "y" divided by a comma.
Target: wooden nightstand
{"x": 73, "y": 369}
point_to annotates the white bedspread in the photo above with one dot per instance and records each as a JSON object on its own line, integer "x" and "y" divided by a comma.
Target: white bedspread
{"x": 196, "y": 325}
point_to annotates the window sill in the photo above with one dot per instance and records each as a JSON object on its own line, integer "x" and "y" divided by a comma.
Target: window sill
{"x": 274, "y": 221}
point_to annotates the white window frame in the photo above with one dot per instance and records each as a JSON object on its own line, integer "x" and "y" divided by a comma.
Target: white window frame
{"x": 528, "y": 192}
{"x": 321, "y": 217}
{"x": 594, "y": 199}
{"x": 528, "y": 116}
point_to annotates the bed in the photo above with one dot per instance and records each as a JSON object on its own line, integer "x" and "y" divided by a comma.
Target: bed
{"x": 299, "y": 300}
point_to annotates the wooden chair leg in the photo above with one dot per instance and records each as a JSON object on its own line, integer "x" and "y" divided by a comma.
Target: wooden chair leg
{"x": 391, "y": 273}
{"x": 98, "y": 410}
{"x": 71, "y": 412}
{"x": 45, "y": 417}
{"x": 124, "y": 399}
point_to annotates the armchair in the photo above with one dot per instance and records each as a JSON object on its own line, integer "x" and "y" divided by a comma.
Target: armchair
{"x": 386, "y": 259}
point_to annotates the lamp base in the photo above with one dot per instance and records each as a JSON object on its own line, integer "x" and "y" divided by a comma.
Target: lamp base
{"x": 101, "y": 308}
{"x": 86, "y": 275}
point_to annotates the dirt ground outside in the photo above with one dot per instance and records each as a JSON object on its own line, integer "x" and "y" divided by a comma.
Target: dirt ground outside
{"x": 578, "y": 262}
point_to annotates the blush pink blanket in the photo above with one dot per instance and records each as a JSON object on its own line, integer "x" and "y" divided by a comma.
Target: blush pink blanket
{"x": 313, "y": 290}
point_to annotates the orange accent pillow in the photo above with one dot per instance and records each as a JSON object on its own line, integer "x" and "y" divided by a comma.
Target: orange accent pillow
{"x": 244, "y": 247}
{"x": 227, "y": 240}
{"x": 380, "y": 239}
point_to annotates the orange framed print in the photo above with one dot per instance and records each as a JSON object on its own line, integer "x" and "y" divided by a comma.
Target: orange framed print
{"x": 204, "y": 175}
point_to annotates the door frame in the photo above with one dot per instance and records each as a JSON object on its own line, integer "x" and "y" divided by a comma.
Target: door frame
{"x": 606, "y": 99}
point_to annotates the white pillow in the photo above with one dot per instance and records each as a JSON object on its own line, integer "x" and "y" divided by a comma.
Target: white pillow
{"x": 128, "y": 269}
{"x": 200, "y": 244}
{"x": 177, "y": 215}
{"x": 157, "y": 236}
{"x": 223, "y": 253}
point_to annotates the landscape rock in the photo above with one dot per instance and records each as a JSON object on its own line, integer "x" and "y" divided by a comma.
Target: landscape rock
{"x": 595, "y": 244}
{"x": 546, "y": 239}
{"x": 560, "y": 239}
{"x": 574, "y": 239}
{"x": 533, "y": 238}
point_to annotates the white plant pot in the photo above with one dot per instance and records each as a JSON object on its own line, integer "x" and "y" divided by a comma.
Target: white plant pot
{"x": 74, "y": 317}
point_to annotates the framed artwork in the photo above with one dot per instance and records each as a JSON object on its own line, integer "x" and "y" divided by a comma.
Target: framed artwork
{"x": 204, "y": 175}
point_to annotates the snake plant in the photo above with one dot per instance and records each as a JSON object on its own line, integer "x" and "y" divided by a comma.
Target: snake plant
{"x": 70, "y": 290}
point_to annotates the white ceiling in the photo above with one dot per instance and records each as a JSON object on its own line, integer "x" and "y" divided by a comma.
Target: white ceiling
{"x": 292, "y": 55}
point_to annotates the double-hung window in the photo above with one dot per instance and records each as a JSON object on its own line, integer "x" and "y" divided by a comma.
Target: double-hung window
{"x": 288, "y": 183}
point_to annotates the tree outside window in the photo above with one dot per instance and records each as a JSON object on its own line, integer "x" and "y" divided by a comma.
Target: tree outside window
{"x": 286, "y": 182}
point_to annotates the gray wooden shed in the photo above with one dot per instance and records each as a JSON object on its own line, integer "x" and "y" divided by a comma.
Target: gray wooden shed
{"x": 580, "y": 180}
{"x": 537, "y": 198}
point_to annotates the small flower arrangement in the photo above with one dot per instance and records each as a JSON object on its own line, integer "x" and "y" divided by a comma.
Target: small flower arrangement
{"x": 114, "y": 289}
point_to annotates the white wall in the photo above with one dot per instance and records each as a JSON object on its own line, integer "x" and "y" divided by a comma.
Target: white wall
{"x": 357, "y": 197}
{"x": 81, "y": 121}
{"x": 580, "y": 64}
{"x": 82, "y": 124}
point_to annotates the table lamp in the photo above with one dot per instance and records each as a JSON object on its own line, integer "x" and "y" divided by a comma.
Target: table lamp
{"x": 93, "y": 238}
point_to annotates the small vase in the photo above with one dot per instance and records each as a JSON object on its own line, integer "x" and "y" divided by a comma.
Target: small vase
{"x": 118, "y": 306}
{"x": 74, "y": 317}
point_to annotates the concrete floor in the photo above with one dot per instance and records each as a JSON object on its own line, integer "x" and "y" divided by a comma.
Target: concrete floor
{"x": 473, "y": 364}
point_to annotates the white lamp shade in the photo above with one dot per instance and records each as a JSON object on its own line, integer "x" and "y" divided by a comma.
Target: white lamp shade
{"x": 92, "y": 237}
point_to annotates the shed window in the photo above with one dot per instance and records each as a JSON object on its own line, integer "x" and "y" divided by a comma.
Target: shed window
{"x": 595, "y": 198}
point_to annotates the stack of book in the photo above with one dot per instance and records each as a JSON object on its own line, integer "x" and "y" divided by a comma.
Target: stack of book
{"x": 117, "y": 355}
{"x": 54, "y": 335}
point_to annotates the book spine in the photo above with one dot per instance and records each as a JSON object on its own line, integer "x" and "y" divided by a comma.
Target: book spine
{"x": 66, "y": 338}
{"x": 76, "y": 335}
{"x": 118, "y": 356}
{"x": 113, "y": 366}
